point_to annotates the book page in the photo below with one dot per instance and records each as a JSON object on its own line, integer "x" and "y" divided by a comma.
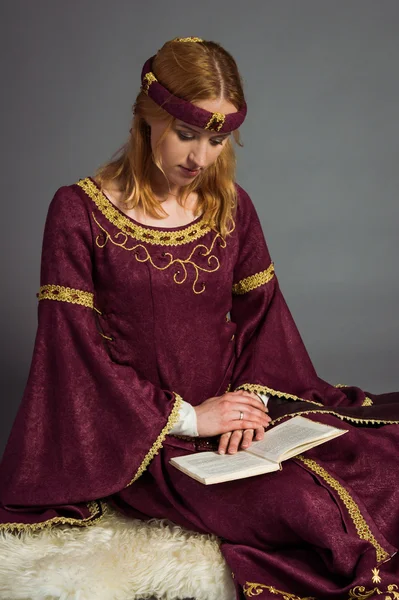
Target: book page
{"x": 211, "y": 467}
{"x": 292, "y": 437}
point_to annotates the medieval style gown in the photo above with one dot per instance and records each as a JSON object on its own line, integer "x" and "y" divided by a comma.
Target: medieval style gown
{"x": 134, "y": 319}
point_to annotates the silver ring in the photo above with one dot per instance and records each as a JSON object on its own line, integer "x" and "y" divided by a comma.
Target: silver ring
{"x": 241, "y": 415}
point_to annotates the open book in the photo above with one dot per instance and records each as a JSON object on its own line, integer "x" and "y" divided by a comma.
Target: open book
{"x": 280, "y": 443}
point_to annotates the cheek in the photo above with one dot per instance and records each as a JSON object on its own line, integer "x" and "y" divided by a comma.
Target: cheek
{"x": 215, "y": 152}
{"x": 172, "y": 152}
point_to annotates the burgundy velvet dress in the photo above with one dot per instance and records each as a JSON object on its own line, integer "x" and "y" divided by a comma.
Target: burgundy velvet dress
{"x": 133, "y": 319}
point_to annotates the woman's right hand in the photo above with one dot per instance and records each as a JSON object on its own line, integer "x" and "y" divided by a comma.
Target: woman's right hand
{"x": 221, "y": 414}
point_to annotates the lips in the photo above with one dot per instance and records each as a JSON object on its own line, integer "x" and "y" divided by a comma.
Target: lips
{"x": 192, "y": 171}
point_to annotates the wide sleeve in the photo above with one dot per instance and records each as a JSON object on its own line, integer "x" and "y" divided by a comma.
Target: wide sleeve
{"x": 87, "y": 426}
{"x": 271, "y": 357}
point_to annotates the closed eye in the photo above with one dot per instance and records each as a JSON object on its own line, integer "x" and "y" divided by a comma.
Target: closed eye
{"x": 186, "y": 137}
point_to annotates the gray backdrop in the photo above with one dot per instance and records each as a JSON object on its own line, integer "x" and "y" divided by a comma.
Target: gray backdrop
{"x": 320, "y": 158}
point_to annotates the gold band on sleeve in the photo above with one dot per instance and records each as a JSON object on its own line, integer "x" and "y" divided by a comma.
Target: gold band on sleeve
{"x": 65, "y": 294}
{"x": 254, "y": 281}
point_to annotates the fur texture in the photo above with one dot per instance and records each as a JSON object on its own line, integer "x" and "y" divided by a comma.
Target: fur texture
{"x": 117, "y": 559}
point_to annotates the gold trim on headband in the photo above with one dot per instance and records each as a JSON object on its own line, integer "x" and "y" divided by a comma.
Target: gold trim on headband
{"x": 216, "y": 122}
{"x": 188, "y": 39}
{"x": 148, "y": 79}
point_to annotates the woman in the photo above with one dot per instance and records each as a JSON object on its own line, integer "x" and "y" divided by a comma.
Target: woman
{"x": 163, "y": 331}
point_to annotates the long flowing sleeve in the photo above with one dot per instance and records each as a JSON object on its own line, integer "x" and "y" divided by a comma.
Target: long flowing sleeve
{"x": 271, "y": 357}
{"x": 87, "y": 426}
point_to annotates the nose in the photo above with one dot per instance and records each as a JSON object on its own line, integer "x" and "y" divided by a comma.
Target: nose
{"x": 198, "y": 155}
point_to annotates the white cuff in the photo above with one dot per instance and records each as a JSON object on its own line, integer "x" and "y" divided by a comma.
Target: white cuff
{"x": 187, "y": 423}
{"x": 263, "y": 397}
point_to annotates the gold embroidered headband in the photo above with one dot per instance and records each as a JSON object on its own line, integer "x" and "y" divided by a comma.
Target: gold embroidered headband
{"x": 184, "y": 110}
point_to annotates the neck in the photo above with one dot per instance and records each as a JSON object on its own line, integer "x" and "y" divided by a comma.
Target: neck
{"x": 162, "y": 188}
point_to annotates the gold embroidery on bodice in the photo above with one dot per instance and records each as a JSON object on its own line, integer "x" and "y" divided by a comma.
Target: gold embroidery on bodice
{"x": 128, "y": 231}
{"x": 142, "y": 254}
{"x": 160, "y": 237}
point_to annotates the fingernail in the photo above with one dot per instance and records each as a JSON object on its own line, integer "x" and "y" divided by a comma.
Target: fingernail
{"x": 221, "y": 451}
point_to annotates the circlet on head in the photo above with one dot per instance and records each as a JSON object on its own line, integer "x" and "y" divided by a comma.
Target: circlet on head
{"x": 184, "y": 110}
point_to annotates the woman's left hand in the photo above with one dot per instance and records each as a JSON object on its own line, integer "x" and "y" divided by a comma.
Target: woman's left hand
{"x": 231, "y": 441}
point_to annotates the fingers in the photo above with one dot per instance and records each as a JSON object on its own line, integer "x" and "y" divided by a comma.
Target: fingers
{"x": 232, "y": 440}
{"x": 248, "y": 398}
{"x": 247, "y": 438}
{"x": 229, "y": 442}
{"x": 224, "y": 442}
{"x": 259, "y": 434}
{"x": 243, "y": 413}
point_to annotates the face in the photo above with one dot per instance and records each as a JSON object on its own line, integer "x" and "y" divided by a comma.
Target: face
{"x": 187, "y": 150}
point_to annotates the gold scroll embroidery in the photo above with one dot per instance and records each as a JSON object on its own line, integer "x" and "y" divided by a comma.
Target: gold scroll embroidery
{"x": 142, "y": 255}
{"x": 359, "y": 522}
{"x": 157, "y": 445}
{"x": 216, "y": 122}
{"x": 255, "y": 589}
{"x": 138, "y": 232}
{"x": 254, "y": 281}
{"x": 96, "y": 508}
{"x": 263, "y": 389}
{"x": 360, "y": 593}
{"x": 65, "y": 294}
{"x": 148, "y": 79}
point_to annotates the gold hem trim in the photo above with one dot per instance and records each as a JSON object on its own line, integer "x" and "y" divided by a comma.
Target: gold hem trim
{"x": 96, "y": 509}
{"x": 359, "y": 521}
{"x": 157, "y": 445}
{"x": 254, "y": 387}
{"x": 256, "y": 589}
{"x": 357, "y": 420}
{"x": 254, "y": 281}
{"x": 66, "y": 294}
{"x": 159, "y": 237}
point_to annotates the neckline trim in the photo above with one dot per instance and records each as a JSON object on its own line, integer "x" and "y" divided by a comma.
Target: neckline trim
{"x": 164, "y": 236}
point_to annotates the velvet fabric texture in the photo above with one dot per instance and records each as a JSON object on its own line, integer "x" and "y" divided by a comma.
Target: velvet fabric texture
{"x": 133, "y": 318}
{"x": 186, "y": 111}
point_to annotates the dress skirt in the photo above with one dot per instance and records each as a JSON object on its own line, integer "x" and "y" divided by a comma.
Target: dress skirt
{"x": 326, "y": 526}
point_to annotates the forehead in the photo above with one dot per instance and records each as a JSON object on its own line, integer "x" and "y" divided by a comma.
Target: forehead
{"x": 215, "y": 105}
{"x": 180, "y": 123}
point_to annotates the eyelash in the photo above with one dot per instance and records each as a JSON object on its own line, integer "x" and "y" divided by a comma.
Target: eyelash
{"x": 186, "y": 138}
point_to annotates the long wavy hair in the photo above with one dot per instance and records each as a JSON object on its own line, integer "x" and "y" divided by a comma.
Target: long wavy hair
{"x": 193, "y": 71}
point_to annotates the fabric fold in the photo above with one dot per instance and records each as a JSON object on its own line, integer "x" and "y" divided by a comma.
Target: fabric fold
{"x": 87, "y": 426}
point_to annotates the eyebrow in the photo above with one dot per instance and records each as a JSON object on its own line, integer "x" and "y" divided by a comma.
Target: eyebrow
{"x": 221, "y": 135}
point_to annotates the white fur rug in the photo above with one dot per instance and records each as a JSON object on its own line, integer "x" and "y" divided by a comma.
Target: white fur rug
{"x": 117, "y": 559}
